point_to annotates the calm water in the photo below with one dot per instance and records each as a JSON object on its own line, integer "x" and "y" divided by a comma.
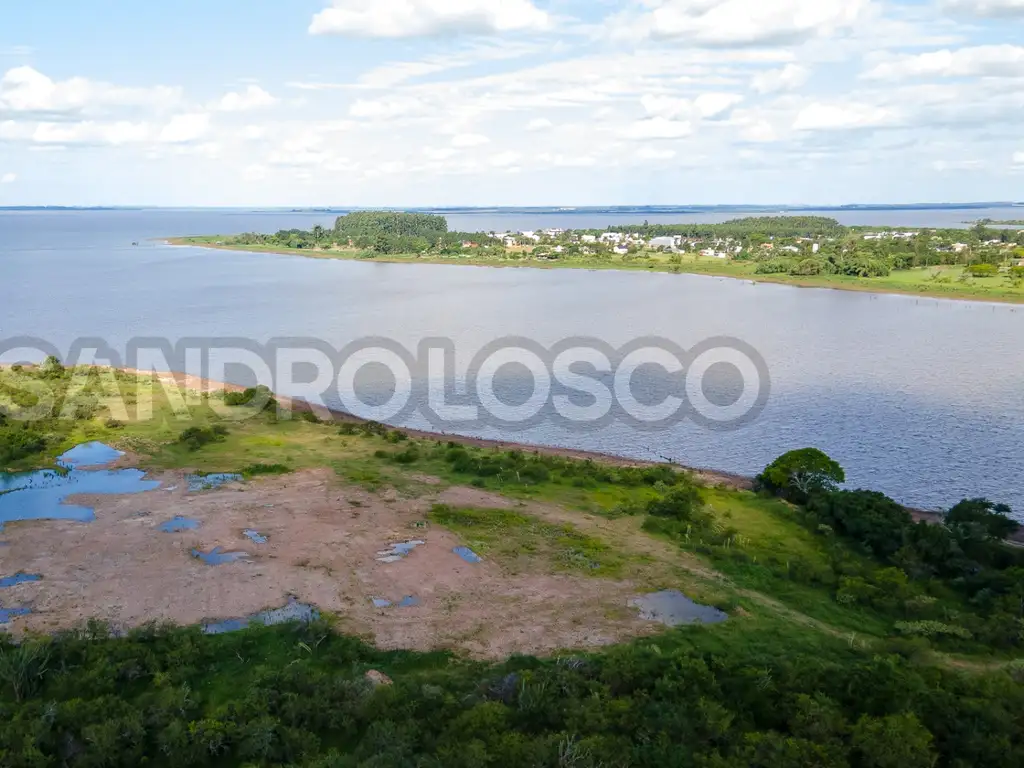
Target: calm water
{"x": 919, "y": 398}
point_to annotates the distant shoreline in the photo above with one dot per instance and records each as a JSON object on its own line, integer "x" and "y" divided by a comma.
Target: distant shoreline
{"x": 879, "y": 286}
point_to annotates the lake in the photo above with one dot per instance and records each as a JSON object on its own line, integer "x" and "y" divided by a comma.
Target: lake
{"x": 919, "y": 398}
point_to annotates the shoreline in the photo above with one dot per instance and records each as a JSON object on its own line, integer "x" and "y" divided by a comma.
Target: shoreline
{"x": 792, "y": 281}
{"x": 710, "y": 477}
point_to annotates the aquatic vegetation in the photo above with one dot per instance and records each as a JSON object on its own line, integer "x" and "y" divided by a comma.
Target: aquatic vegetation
{"x": 211, "y": 482}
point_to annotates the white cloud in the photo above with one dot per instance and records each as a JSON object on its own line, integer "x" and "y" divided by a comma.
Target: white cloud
{"x": 442, "y": 153}
{"x": 740, "y": 22}
{"x": 704, "y": 106}
{"x": 466, "y": 140}
{"x": 957, "y": 165}
{"x": 539, "y": 124}
{"x": 8, "y": 178}
{"x": 253, "y": 97}
{"x": 385, "y": 109}
{"x": 86, "y": 132}
{"x": 658, "y": 128}
{"x": 990, "y": 8}
{"x": 650, "y": 153}
{"x": 978, "y": 61}
{"x": 27, "y": 91}
{"x": 788, "y": 78}
{"x": 426, "y": 18}
{"x": 1018, "y": 158}
{"x": 505, "y": 159}
{"x": 711, "y": 105}
{"x": 185, "y": 128}
{"x": 844, "y": 116}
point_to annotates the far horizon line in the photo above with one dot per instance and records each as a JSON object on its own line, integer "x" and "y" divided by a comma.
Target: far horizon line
{"x": 652, "y": 207}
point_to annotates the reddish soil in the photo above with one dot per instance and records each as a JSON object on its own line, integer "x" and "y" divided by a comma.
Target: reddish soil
{"x": 324, "y": 538}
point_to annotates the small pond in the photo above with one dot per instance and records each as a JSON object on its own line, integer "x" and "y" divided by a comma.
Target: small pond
{"x": 672, "y": 608}
{"x": 468, "y": 555}
{"x": 410, "y": 601}
{"x": 293, "y": 611}
{"x": 398, "y": 552}
{"x": 6, "y": 614}
{"x": 179, "y": 524}
{"x": 41, "y": 495}
{"x": 90, "y": 455}
{"x": 19, "y": 578}
{"x": 217, "y": 556}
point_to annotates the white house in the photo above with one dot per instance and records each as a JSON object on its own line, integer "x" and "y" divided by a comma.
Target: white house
{"x": 663, "y": 242}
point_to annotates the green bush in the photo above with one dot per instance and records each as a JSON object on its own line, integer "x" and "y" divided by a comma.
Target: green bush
{"x": 195, "y": 438}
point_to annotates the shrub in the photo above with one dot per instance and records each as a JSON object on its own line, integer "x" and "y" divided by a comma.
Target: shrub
{"x": 265, "y": 469}
{"x": 982, "y": 270}
{"x": 931, "y": 629}
{"x": 195, "y": 438}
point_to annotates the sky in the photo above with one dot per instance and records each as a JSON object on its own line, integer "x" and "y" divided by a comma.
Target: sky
{"x": 510, "y": 102}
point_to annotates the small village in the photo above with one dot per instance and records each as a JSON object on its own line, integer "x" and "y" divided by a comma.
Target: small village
{"x": 555, "y": 242}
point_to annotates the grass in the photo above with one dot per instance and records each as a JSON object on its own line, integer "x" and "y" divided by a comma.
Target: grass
{"x": 521, "y": 542}
{"x": 944, "y": 282}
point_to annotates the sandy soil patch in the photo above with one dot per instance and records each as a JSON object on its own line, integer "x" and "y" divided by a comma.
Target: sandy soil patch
{"x": 323, "y": 541}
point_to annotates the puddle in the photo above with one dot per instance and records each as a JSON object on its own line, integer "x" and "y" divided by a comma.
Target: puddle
{"x": 293, "y": 611}
{"x": 212, "y": 482}
{"x": 406, "y": 602}
{"x": 6, "y": 614}
{"x": 675, "y": 609}
{"x": 179, "y": 524}
{"x": 217, "y": 556}
{"x": 90, "y": 455}
{"x": 40, "y": 495}
{"x": 398, "y": 551}
{"x": 19, "y": 578}
{"x": 255, "y": 536}
{"x": 468, "y": 555}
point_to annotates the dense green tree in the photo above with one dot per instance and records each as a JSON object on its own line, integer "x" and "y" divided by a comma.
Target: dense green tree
{"x": 797, "y": 474}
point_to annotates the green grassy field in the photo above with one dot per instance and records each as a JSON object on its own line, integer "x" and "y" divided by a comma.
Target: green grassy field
{"x": 936, "y": 282}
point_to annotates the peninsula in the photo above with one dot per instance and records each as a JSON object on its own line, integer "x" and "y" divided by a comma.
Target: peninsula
{"x": 980, "y": 263}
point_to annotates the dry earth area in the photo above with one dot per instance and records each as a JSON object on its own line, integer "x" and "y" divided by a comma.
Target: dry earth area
{"x": 324, "y": 538}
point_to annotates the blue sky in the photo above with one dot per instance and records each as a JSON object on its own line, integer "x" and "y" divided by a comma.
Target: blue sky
{"x": 511, "y": 102}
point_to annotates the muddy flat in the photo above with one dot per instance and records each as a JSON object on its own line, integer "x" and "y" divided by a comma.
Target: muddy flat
{"x": 326, "y": 544}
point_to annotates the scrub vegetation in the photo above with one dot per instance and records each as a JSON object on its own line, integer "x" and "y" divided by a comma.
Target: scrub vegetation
{"x": 857, "y": 637}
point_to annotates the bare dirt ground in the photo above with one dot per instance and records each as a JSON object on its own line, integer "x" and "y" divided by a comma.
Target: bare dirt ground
{"x": 323, "y": 541}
